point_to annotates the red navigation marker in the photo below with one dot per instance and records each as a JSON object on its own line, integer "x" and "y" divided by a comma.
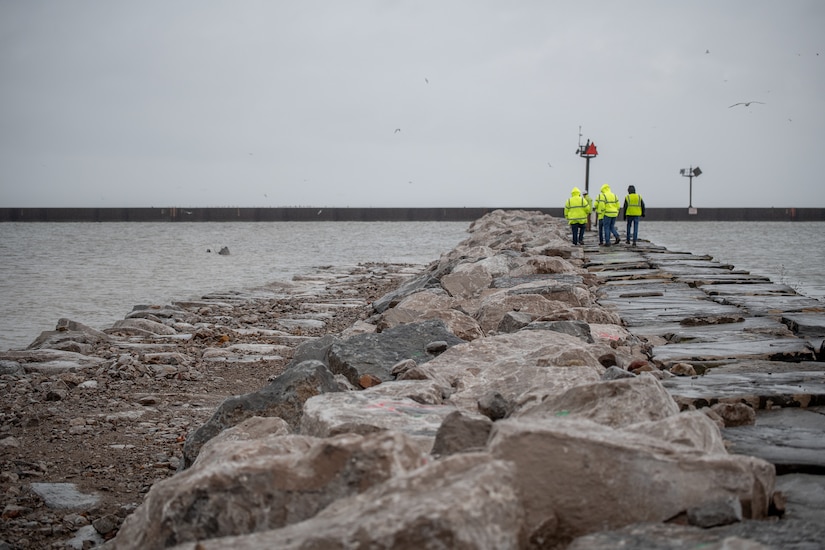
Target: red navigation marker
{"x": 591, "y": 150}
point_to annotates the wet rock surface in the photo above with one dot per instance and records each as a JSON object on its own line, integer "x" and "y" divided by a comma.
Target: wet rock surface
{"x": 519, "y": 392}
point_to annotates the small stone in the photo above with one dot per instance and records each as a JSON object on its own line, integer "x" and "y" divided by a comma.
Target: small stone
{"x": 56, "y": 395}
{"x": 148, "y": 400}
{"x": 402, "y": 366}
{"x": 637, "y": 364}
{"x": 438, "y": 346}
{"x": 713, "y": 514}
{"x": 106, "y": 524}
{"x": 12, "y": 511}
{"x": 608, "y": 360}
{"x": 10, "y": 442}
{"x": 368, "y": 381}
{"x": 494, "y": 406}
{"x": 735, "y": 414}
{"x": 683, "y": 369}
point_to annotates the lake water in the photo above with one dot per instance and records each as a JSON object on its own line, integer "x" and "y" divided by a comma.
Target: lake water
{"x": 95, "y": 273}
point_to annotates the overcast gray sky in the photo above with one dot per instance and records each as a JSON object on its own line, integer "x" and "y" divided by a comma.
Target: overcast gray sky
{"x": 381, "y": 103}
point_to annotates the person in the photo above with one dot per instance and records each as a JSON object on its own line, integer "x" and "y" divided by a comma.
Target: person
{"x": 598, "y": 208}
{"x": 576, "y": 210}
{"x": 634, "y": 208}
{"x": 608, "y": 205}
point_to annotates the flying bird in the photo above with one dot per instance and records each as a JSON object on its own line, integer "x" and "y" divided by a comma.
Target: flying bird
{"x": 427, "y": 80}
{"x": 397, "y": 130}
{"x": 746, "y": 103}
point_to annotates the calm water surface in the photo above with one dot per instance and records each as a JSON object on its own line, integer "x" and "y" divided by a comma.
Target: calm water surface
{"x": 95, "y": 273}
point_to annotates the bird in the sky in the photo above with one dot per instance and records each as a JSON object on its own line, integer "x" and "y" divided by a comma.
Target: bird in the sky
{"x": 397, "y": 130}
{"x": 746, "y": 103}
{"x": 428, "y": 81}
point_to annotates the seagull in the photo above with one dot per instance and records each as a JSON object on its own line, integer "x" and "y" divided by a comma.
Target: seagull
{"x": 746, "y": 103}
{"x": 427, "y": 81}
{"x": 397, "y": 130}
{"x": 550, "y": 165}
{"x": 707, "y": 51}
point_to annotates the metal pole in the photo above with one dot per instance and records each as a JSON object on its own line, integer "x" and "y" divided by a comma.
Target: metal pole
{"x": 690, "y": 196}
{"x": 587, "y": 189}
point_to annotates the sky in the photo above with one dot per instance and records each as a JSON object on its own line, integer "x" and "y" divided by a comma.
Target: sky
{"x": 409, "y": 103}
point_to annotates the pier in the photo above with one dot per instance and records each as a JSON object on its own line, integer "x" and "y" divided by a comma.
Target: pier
{"x": 518, "y": 392}
{"x": 373, "y": 214}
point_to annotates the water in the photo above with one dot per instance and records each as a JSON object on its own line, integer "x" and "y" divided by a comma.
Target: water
{"x": 95, "y": 273}
{"x": 792, "y": 253}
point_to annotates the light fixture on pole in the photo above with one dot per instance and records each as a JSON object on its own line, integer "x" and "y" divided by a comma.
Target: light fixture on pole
{"x": 587, "y": 152}
{"x": 690, "y": 173}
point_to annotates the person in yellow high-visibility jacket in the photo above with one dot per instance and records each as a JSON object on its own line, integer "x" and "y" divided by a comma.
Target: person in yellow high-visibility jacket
{"x": 576, "y": 210}
{"x": 607, "y": 205}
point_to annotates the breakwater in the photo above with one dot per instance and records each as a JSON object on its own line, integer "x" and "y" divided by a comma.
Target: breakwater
{"x": 519, "y": 393}
{"x": 315, "y": 214}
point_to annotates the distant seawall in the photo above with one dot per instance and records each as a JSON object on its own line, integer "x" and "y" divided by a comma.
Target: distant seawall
{"x": 305, "y": 214}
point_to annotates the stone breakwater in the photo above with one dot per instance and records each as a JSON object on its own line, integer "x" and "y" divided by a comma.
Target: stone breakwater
{"x": 518, "y": 393}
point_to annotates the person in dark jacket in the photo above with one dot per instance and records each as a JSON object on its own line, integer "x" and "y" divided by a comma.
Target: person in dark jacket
{"x": 634, "y": 210}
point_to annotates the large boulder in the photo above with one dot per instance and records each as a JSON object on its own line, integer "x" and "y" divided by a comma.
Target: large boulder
{"x": 257, "y": 485}
{"x": 375, "y": 354}
{"x": 615, "y": 403}
{"x": 576, "y": 477}
{"x": 495, "y": 306}
{"x": 463, "y": 501}
{"x": 284, "y": 397}
{"x": 369, "y": 411}
{"x": 524, "y": 367}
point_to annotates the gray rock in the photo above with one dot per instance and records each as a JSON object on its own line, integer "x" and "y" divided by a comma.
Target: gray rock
{"x": 262, "y": 484}
{"x": 315, "y": 349}
{"x": 463, "y": 501}
{"x": 376, "y": 354}
{"x": 460, "y": 433}
{"x": 790, "y": 438}
{"x": 429, "y": 279}
{"x": 373, "y": 410}
{"x": 140, "y": 326}
{"x": 614, "y": 373}
{"x": 10, "y": 367}
{"x": 579, "y": 329}
{"x": 805, "y": 497}
{"x": 513, "y": 321}
{"x": 494, "y": 406}
{"x": 746, "y": 535}
{"x": 722, "y": 511}
{"x": 62, "y": 496}
{"x": 283, "y": 397}
{"x": 595, "y": 466}
{"x": 85, "y": 537}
